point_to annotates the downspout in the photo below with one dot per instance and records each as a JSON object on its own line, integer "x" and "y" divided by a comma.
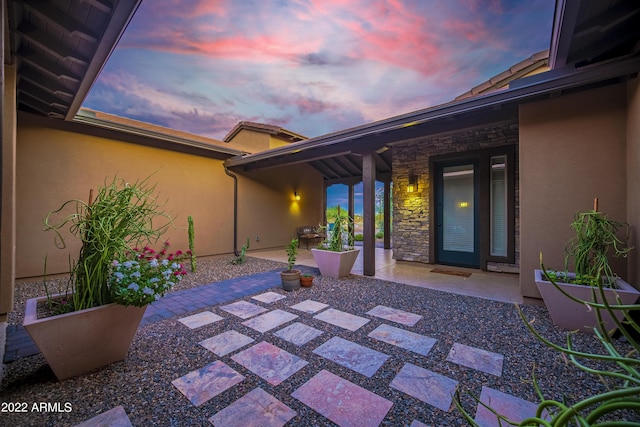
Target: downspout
{"x": 235, "y": 210}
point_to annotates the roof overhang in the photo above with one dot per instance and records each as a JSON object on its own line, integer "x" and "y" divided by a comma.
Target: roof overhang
{"x": 87, "y": 125}
{"x": 60, "y": 47}
{"x": 380, "y": 136}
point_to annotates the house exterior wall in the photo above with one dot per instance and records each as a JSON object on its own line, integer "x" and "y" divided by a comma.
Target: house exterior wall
{"x": 250, "y": 141}
{"x": 572, "y": 149}
{"x": 269, "y": 210}
{"x": 54, "y": 166}
{"x": 8, "y": 207}
{"x": 633, "y": 178}
{"x": 412, "y": 212}
{"x": 253, "y": 141}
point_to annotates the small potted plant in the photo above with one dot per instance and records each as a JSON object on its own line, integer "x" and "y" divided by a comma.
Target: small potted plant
{"x": 336, "y": 255}
{"x": 93, "y": 324}
{"x": 306, "y": 280}
{"x": 290, "y": 277}
{"x": 596, "y": 239}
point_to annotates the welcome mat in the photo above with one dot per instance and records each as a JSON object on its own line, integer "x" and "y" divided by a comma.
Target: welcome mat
{"x": 451, "y": 272}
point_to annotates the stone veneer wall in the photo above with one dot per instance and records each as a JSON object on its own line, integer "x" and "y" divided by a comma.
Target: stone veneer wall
{"x": 411, "y": 211}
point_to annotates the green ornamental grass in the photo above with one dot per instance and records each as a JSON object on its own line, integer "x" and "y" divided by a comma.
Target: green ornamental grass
{"x": 122, "y": 216}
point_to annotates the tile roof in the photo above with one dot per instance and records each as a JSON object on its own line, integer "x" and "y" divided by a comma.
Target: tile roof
{"x": 264, "y": 128}
{"x": 536, "y": 63}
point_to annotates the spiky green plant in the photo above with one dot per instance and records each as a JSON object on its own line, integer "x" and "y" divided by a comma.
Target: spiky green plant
{"x": 619, "y": 404}
{"x": 121, "y": 216}
{"x": 192, "y": 248}
{"x": 292, "y": 253}
{"x": 340, "y": 237}
{"x": 240, "y": 259}
{"x": 597, "y": 239}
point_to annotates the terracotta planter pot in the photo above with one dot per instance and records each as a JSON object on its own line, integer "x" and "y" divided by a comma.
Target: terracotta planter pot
{"x": 572, "y": 315}
{"x": 290, "y": 280}
{"x": 335, "y": 264}
{"x": 83, "y": 341}
{"x": 306, "y": 282}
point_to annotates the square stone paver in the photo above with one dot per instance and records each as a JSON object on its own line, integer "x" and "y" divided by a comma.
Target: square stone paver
{"x": 269, "y": 362}
{"x": 270, "y": 320}
{"x": 206, "y": 383}
{"x": 395, "y": 315}
{"x": 268, "y": 297}
{"x": 342, "y": 319}
{"x": 404, "y": 339}
{"x": 343, "y": 402}
{"x": 514, "y": 408}
{"x": 243, "y": 309}
{"x": 475, "y": 358}
{"x": 116, "y": 417}
{"x": 200, "y": 319}
{"x": 425, "y": 385}
{"x": 226, "y": 342}
{"x": 309, "y": 306}
{"x": 417, "y": 423}
{"x": 298, "y": 333}
{"x": 351, "y": 355}
{"x": 255, "y": 409}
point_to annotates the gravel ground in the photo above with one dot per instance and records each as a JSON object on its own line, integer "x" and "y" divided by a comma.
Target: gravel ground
{"x": 167, "y": 350}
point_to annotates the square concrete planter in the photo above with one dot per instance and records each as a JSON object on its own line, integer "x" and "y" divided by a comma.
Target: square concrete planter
{"x": 571, "y": 315}
{"x": 335, "y": 264}
{"x": 83, "y": 341}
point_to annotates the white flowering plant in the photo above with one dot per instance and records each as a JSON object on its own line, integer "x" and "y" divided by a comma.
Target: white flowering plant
{"x": 141, "y": 277}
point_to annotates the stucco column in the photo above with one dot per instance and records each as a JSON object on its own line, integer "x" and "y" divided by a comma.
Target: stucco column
{"x": 369, "y": 212}
{"x": 8, "y": 189}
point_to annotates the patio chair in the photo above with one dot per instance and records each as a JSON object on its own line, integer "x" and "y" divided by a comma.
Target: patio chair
{"x": 307, "y": 233}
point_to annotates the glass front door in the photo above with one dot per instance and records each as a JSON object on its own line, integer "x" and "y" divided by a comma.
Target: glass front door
{"x": 457, "y": 214}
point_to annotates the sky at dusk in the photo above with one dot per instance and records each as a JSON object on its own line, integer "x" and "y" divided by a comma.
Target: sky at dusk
{"x": 310, "y": 66}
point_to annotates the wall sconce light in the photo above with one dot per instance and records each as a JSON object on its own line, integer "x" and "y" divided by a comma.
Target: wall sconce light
{"x": 412, "y": 187}
{"x": 296, "y": 195}
{"x": 463, "y": 204}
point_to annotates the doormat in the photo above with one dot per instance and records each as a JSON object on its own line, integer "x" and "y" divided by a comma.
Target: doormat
{"x": 451, "y": 272}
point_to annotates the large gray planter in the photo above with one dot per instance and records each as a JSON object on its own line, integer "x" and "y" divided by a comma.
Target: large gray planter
{"x": 335, "y": 264}
{"x": 83, "y": 341}
{"x": 571, "y": 315}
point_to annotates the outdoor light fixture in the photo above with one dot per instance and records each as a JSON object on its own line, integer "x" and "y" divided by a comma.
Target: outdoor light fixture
{"x": 412, "y": 187}
{"x": 463, "y": 204}
{"x": 296, "y": 195}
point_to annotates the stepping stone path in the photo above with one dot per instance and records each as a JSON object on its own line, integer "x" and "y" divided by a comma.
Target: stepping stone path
{"x": 334, "y": 397}
{"x": 200, "y": 319}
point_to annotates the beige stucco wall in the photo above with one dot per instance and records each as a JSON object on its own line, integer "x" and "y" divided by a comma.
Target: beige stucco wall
{"x": 250, "y": 141}
{"x": 8, "y": 237}
{"x": 268, "y": 209}
{"x": 253, "y": 141}
{"x": 633, "y": 177}
{"x": 572, "y": 149}
{"x": 54, "y": 166}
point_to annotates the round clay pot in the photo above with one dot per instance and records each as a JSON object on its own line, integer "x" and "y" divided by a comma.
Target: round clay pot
{"x": 290, "y": 280}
